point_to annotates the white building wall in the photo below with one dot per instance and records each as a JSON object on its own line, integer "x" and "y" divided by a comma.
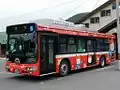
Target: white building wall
{"x": 107, "y": 19}
{"x": 103, "y": 20}
{"x": 94, "y": 26}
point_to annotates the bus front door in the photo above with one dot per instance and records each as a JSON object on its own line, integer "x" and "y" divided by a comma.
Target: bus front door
{"x": 47, "y": 58}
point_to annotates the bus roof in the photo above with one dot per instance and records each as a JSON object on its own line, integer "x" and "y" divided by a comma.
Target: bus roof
{"x": 60, "y": 24}
{"x": 63, "y": 27}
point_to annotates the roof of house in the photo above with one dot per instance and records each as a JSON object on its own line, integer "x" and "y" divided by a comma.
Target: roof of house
{"x": 94, "y": 11}
{"x": 77, "y": 17}
{"x": 108, "y": 27}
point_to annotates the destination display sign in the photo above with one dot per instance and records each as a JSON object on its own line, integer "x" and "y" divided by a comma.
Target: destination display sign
{"x": 21, "y": 28}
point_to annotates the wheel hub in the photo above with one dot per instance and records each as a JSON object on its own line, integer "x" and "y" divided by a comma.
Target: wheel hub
{"x": 64, "y": 68}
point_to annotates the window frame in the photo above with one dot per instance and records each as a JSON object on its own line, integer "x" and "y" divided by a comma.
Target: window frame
{"x": 87, "y": 25}
{"x": 105, "y": 13}
{"x": 94, "y": 20}
{"x": 114, "y": 6}
{"x": 85, "y": 40}
{"x": 104, "y": 48}
{"x": 93, "y": 50}
{"x": 71, "y": 44}
{"x": 62, "y": 43}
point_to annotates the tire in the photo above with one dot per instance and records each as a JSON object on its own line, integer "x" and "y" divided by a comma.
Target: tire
{"x": 64, "y": 68}
{"x": 102, "y": 62}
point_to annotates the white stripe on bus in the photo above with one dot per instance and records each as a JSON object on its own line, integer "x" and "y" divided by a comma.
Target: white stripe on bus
{"x": 102, "y": 52}
{"x": 70, "y": 55}
{"x": 79, "y": 54}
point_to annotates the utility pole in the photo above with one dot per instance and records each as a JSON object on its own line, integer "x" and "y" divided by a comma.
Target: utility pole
{"x": 118, "y": 32}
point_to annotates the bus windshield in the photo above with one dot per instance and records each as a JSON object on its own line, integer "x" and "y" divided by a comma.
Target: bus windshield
{"x": 22, "y": 45}
{"x": 22, "y": 42}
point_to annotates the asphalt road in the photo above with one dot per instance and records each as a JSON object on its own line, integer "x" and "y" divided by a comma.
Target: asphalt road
{"x": 93, "y": 79}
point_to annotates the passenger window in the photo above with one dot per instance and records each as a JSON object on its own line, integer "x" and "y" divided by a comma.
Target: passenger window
{"x": 62, "y": 48}
{"x": 71, "y": 44}
{"x": 81, "y": 46}
{"x": 100, "y": 45}
{"x": 62, "y": 44}
{"x": 106, "y": 45}
{"x": 90, "y": 46}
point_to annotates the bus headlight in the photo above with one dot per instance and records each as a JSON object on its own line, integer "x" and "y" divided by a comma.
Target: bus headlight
{"x": 34, "y": 68}
{"x": 27, "y": 68}
{"x": 31, "y": 68}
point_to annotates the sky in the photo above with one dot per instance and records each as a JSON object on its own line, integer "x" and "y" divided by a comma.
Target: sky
{"x": 16, "y": 11}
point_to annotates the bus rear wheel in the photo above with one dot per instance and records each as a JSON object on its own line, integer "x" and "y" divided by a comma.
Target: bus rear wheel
{"x": 102, "y": 61}
{"x": 64, "y": 68}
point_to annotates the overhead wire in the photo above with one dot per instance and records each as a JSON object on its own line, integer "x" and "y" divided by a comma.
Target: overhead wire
{"x": 94, "y": 6}
{"x": 85, "y": 1}
{"x": 42, "y": 10}
{"x": 55, "y": 6}
{"x": 60, "y": 5}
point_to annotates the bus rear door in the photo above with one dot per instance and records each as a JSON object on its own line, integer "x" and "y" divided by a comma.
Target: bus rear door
{"x": 91, "y": 46}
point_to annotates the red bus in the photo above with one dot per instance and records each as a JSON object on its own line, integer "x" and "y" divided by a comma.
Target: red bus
{"x": 42, "y": 49}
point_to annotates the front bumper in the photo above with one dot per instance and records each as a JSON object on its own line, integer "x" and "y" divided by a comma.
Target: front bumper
{"x": 24, "y": 69}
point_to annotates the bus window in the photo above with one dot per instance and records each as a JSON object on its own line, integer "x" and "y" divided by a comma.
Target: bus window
{"x": 102, "y": 45}
{"x": 62, "y": 48}
{"x": 71, "y": 44}
{"x": 106, "y": 45}
{"x": 81, "y": 46}
{"x": 62, "y": 44}
{"x": 90, "y": 46}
